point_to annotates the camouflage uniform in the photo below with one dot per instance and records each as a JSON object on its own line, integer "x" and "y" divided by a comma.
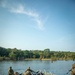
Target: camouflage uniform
{"x": 28, "y": 71}
{"x": 73, "y": 69}
{"x": 10, "y": 71}
{"x": 16, "y": 73}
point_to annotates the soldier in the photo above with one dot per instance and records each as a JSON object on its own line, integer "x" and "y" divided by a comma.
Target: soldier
{"x": 73, "y": 69}
{"x": 10, "y": 71}
{"x": 16, "y": 73}
{"x": 28, "y": 71}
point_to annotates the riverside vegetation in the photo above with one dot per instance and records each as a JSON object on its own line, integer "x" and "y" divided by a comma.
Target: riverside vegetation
{"x": 46, "y": 54}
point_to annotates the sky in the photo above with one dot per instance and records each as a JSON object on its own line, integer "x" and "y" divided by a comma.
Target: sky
{"x": 38, "y": 24}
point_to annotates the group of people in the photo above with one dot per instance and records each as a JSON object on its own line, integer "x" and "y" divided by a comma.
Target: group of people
{"x": 28, "y": 71}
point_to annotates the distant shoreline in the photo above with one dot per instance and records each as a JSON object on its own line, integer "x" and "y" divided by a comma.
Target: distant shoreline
{"x": 30, "y": 59}
{"x": 37, "y": 59}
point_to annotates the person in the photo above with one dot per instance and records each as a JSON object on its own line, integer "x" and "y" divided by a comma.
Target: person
{"x": 28, "y": 71}
{"x": 10, "y": 71}
{"x": 40, "y": 73}
{"x": 16, "y": 73}
{"x": 73, "y": 69}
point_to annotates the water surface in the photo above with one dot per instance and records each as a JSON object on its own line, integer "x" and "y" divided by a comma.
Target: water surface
{"x": 57, "y": 67}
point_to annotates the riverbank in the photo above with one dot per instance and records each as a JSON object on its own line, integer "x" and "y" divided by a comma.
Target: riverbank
{"x": 45, "y": 59}
{"x": 37, "y": 59}
{"x": 4, "y": 58}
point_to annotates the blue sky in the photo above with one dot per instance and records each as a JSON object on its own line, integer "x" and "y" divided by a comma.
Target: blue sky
{"x": 37, "y": 24}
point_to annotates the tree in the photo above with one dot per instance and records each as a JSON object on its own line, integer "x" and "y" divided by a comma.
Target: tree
{"x": 47, "y": 53}
{"x": 36, "y": 54}
{"x": 3, "y": 52}
{"x": 12, "y": 55}
{"x": 73, "y": 56}
{"x": 26, "y": 54}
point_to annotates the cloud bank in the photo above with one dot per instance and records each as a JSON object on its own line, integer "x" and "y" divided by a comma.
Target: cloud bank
{"x": 20, "y": 9}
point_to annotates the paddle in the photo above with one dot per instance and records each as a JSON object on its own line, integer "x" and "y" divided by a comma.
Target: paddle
{"x": 68, "y": 71}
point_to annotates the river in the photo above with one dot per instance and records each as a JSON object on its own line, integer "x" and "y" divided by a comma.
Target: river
{"x": 57, "y": 67}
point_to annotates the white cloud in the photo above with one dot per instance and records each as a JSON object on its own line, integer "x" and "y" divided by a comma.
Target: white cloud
{"x": 35, "y": 16}
{"x": 39, "y": 23}
{"x": 20, "y": 9}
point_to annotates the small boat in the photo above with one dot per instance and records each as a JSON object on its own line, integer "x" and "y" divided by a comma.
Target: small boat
{"x": 41, "y": 73}
{"x": 31, "y": 72}
{"x": 34, "y": 73}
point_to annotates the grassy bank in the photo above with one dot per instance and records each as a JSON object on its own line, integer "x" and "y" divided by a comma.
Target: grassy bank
{"x": 51, "y": 59}
{"x": 4, "y": 58}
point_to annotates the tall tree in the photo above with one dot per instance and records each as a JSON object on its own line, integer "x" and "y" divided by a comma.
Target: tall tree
{"x": 47, "y": 53}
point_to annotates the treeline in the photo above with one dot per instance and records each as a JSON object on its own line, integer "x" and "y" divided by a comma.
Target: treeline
{"x": 18, "y": 54}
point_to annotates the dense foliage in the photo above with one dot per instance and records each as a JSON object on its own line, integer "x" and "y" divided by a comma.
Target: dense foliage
{"x": 17, "y": 54}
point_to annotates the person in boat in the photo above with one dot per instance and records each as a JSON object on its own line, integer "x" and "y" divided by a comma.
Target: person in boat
{"x": 28, "y": 71}
{"x": 73, "y": 69}
{"x": 40, "y": 73}
{"x": 16, "y": 73}
{"x": 10, "y": 71}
